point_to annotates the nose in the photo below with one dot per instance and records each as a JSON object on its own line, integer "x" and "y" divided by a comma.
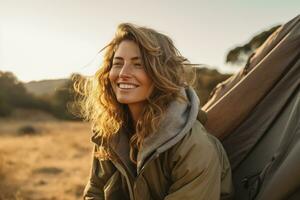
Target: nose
{"x": 126, "y": 70}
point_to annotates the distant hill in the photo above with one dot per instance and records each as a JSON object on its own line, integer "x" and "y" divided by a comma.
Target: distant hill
{"x": 44, "y": 87}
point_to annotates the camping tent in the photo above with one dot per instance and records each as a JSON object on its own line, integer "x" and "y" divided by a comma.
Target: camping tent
{"x": 256, "y": 115}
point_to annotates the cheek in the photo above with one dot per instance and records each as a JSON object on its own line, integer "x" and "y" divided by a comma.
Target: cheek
{"x": 149, "y": 83}
{"x": 112, "y": 76}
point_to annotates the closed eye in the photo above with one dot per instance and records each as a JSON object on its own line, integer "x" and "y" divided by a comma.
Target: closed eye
{"x": 138, "y": 65}
{"x": 117, "y": 64}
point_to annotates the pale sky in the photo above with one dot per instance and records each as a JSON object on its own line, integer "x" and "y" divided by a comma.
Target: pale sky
{"x": 46, "y": 39}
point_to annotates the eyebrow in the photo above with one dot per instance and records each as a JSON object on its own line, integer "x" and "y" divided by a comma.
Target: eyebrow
{"x": 120, "y": 58}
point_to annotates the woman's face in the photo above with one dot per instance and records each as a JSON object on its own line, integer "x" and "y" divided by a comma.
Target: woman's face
{"x": 128, "y": 77}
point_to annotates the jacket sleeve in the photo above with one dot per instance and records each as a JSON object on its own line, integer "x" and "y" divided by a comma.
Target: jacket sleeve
{"x": 99, "y": 174}
{"x": 195, "y": 169}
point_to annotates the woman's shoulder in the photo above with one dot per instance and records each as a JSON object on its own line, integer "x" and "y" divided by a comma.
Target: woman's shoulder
{"x": 200, "y": 150}
{"x": 199, "y": 138}
{"x": 198, "y": 143}
{"x": 209, "y": 145}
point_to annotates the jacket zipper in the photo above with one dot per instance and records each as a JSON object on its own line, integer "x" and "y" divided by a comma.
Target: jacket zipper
{"x": 128, "y": 174}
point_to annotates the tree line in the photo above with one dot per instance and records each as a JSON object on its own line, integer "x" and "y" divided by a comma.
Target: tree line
{"x": 13, "y": 95}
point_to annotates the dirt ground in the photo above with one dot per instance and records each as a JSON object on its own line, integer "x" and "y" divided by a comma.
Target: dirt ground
{"x": 43, "y": 160}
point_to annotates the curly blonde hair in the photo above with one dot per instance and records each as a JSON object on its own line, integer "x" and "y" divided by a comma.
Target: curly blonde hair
{"x": 164, "y": 65}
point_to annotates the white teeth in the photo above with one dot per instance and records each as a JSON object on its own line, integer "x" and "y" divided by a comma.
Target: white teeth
{"x": 126, "y": 86}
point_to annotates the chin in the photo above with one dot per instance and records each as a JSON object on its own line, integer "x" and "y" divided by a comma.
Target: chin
{"x": 124, "y": 100}
{"x": 128, "y": 101}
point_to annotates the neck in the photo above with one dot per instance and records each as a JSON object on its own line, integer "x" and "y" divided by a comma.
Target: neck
{"x": 135, "y": 111}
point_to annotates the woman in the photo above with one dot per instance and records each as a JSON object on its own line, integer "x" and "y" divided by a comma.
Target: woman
{"x": 148, "y": 143}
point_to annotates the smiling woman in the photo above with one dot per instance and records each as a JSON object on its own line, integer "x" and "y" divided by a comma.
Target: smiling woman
{"x": 148, "y": 141}
{"x": 129, "y": 80}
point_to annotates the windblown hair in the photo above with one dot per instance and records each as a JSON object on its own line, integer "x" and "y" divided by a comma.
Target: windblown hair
{"x": 164, "y": 65}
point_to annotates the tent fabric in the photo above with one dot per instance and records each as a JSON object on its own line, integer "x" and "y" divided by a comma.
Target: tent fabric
{"x": 246, "y": 88}
{"x": 256, "y": 114}
{"x": 252, "y": 147}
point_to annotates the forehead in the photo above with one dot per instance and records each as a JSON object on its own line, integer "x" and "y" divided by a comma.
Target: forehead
{"x": 127, "y": 49}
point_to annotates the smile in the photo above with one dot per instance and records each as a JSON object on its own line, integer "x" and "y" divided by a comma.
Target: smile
{"x": 126, "y": 86}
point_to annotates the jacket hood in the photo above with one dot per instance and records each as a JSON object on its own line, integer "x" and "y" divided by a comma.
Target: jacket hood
{"x": 178, "y": 120}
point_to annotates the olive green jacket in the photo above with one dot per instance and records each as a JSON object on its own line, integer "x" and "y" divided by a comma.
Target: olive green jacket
{"x": 180, "y": 161}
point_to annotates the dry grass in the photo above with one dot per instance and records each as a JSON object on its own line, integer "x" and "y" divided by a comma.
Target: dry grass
{"x": 50, "y": 164}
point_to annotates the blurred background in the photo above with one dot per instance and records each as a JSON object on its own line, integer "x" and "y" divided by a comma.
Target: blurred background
{"x": 45, "y": 149}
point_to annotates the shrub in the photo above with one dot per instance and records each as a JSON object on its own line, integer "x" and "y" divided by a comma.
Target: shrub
{"x": 27, "y": 130}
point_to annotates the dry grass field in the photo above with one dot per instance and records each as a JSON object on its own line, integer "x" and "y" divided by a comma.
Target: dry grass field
{"x": 51, "y": 163}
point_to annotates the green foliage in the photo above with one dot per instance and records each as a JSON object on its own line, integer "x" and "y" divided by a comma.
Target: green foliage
{"x": 5, "y": 108}
{"x": 63, "y": 100}
{"x": 206, "y": 80}
{"x": 14, "y": 95}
